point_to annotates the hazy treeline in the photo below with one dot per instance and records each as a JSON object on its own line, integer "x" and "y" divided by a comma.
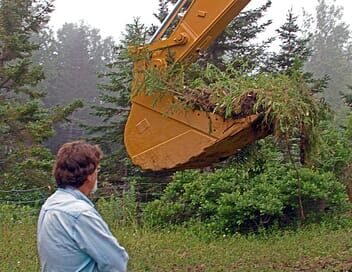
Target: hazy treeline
{"x": 72, "y": 59}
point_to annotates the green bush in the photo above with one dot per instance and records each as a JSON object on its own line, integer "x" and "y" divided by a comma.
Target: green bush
{"x": 335, "y": 150}
{"x": 246, "y": 196}
{"x": 119, "y": 209}
{"x": 24, "y": 171}
{"x": 18, "y": 214}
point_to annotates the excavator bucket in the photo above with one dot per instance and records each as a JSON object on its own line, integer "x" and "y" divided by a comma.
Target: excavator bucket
{"x": 159, "y": 133}
{"x": 158, "y": 138}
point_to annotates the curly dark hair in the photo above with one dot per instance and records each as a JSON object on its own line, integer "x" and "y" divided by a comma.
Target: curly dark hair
{"x": 75, "y": 161}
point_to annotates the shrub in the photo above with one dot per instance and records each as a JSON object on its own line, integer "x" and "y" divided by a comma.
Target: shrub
{"x": 245, "y": 197}
{"x": 119, "y": 209}
{"x": 18, "y": 214}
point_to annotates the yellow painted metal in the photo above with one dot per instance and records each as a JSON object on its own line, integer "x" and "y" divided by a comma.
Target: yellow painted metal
{"x": 162, "y": 135}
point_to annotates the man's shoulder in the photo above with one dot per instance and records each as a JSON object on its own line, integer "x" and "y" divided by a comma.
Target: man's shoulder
{"x": 66, "y": 203}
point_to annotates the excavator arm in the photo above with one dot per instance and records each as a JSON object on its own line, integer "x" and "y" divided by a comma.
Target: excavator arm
{"x": 203, "y": 22}
{"x": 159, "y": 139}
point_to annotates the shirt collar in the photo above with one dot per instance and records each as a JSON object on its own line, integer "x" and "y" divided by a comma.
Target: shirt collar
{"x": 77, "y": 194}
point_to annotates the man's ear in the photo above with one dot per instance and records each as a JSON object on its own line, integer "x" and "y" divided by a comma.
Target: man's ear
{"x": 90, "y": 178}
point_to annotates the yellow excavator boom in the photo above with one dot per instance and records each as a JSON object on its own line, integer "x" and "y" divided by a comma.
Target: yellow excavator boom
{"x": 159, "y": 139}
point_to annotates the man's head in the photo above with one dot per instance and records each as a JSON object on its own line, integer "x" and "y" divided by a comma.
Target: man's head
{"x": 76, "y": 164}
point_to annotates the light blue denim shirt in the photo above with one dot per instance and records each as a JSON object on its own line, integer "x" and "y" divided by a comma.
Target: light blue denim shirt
{"x": 72, "y": 236}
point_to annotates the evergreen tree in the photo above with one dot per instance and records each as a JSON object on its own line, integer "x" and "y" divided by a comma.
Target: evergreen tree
{"x": 72, "y": 61}
{"x": 24, "y": 123}
{"x": 347, "y": 96}
{"x": 293, "y": 46}
{"x": 114, "y": 106}
{"x": 45, "y": 57}
{"x": 75, "y": 79}
{"x": 330, "y": 46}
{"x": 239, "y": 40}
{"x": 163, "y": 10}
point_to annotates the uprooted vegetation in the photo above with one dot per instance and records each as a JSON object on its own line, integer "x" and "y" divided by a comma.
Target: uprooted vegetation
{"x": 285, "y": 100}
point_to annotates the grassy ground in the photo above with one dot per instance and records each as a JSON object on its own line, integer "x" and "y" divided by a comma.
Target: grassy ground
{"x": 317, "y": 248}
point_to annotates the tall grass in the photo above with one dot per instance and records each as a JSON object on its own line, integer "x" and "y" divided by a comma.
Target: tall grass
{"x": 18, "y": 250}
{"x": 324, "y": 247}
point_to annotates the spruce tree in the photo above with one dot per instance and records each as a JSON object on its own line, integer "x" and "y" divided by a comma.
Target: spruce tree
{"x": 163, "y": 10}
{"x": 239, "y": 41}
{"x": 331, "y": 52}
{"x": 114, "y": 100}
{"x": 293, "y": 45}
{"x": 72, "y": 61}
{"x": 24, "y": 123}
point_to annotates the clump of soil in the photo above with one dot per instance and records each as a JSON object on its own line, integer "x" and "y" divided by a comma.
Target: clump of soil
{"x": 202, "y": 99}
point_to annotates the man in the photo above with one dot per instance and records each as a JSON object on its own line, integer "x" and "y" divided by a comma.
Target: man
{"x": 72, "y": 236}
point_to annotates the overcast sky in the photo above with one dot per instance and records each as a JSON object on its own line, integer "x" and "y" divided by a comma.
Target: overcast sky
{"x": 111, "y": 16}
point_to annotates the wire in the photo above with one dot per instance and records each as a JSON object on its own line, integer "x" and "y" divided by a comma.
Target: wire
{"x": 25, "y": 191}
{"x": 15, "y": 202}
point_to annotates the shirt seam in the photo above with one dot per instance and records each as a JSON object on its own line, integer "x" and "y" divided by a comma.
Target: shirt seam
{"x": 85, "y": 200}
{"x": 68, "y": 213}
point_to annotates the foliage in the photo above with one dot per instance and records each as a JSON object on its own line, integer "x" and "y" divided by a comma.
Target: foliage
{"x": 24, "y": 123}
{"x": 71, "y": 59}
{"x": 239, "y": 41}
{"x": 246, "y": 196}
{"x": 18, "y": 214}
{"x": 347, "y": 95}
{"x": 163, "y": 10}
{"x": 320, "y": 247}
{"x": 30, "y": 167}
{"x": 331, "y": 51}
{"x": 113, "y": 110}
{"x": 335, "y": 151}
{"x": 335, "y": 148}
{"x": 284, "y": 99}
{"x": 293, "y": 46}
{"x": 123, "y": 209}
